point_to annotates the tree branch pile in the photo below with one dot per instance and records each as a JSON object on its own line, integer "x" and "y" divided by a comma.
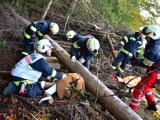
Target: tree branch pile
{"x": 94, "y": 85}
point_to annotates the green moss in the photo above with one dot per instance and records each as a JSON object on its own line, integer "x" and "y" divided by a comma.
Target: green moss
{"x": 4, "y": 46}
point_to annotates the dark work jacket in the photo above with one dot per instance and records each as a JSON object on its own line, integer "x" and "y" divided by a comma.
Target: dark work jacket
{"x": 40, "y": 65}
{"x": 132, "y": 45}
{"x": 41, "y": 26}
{"x": 152, "y": 52}
{"x": 83, "y": 50}
{"x": 78, "y": 37}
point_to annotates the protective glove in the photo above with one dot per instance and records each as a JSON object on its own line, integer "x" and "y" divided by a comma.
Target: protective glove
{"x": 49, "y": 78}
{"x": 73, "y": 59}
{"x": 118, "y": 48}
{"x": 82, "y": 60}
{"x": 133, "y": 62}
{"x": 42, "y": 83}
{"x": 34, "y": 36}
{"x": 63, "y": 76}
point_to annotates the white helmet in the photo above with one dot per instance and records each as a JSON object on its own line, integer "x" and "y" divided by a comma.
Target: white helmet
{"x": 70, "y": 34}
{"x": 153, "y": 31}
{"x": 54, "y": 28}
{"x": 43, "y": 45}
{"x": 93, "y": 45}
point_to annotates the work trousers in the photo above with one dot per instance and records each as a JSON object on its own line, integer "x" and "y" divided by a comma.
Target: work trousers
{"x": 143, "y": 88}
{"x": 122, "y": 58}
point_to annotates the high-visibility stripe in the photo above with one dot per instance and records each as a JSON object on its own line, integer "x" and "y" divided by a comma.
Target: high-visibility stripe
{"x": 39, "y": 33}
{"x": 134, "y": 104}
{"x": 75, "y": 45}
{"x": 138, "y": 51}
{"x": 136, "y": 100}
{"x": 53, "y": 73}
{"x": 24, "y": 53}
{"x": 29, "y": 67}
{"x": 125, "y": 51}
{"x": 158, "y": 77}
{"x": 113, "y": 67}
{"x": 126, "y": 39}
{"x": 33, "y": 28}
{"x": 149, "y": 93}
{"x": 147, "y": 62}
{"x": 26, "y": 35}
{"x": 24, "y": 81}
{"x": 122, "y": 43}
{"x": 140, "y": 47}
{"x": 120, "y": 69}
{"x": 132, "y": 38}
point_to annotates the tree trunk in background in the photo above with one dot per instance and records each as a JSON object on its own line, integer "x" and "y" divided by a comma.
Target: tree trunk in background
{"x": 118, "y": 109}
{"x": 72, "y": 6}
{"x": 45, "y": 13}
{"x": 70, "y": 10}
{"x": 110, "y": 45}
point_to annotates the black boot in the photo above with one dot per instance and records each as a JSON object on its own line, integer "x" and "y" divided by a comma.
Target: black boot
{"x": 152, "y": 107}
{"x": 119, "y": 74}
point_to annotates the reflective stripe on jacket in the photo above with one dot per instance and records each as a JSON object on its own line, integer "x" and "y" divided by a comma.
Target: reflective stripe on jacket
{"x": 80, "y": 46}
{"x": 26, "y": 82}
{"x": 39, "y": 28}
{"x": 32, "y": 67}
{"x": 23, "y": 69}
{"x": 131, "y": 44}
{"x": 152, "y": 54}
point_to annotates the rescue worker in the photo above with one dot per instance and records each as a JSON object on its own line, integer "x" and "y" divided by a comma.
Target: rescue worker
{"x": 73, "y": 36}
{"x": 129, "y": 46}
{"x": 158, "y": 78}
{"x": 84, "y": 49}
{"x": 34, "y": 32}
{"x": 151, "y": 61}
{"x": 26, "y": 73}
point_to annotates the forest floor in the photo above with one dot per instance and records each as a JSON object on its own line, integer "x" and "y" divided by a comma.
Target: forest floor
{"x": 14, "y": 107}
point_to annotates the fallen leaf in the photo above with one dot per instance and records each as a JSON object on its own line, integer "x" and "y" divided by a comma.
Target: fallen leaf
{"x": 5, "y": 100}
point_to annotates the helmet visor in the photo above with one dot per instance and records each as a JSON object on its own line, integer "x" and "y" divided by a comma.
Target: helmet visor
{"x": 144, "y": 31}
{"x": 93, "y": 51}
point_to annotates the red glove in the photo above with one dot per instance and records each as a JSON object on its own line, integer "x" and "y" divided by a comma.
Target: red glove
{"x": 34, "y": 36}
{"x": 133, "y": 62}
{"x": 118, "y": 47}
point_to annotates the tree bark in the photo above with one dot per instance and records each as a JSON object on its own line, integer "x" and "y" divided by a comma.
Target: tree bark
{"x": 110, "y": 45}
{"x": 118, "y": 109}
{"x": 45, "y": 13}
{"x": 70, "y": 10}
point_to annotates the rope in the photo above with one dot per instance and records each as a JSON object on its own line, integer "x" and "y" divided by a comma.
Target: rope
{"x": 110, "y": 69}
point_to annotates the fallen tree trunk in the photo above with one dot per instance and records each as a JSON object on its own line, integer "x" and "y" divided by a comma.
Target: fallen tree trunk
{"x": 118, "y": 109}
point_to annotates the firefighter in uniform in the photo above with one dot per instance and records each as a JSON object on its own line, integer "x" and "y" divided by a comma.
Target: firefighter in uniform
{"x": 34, "y": 32}
{"x": 84, "y": 49}
{"x": 26, "y": 73}
{"x": 129, "y": 46}
{"x": 151, "y": 61}
{"x": 73, "y": 36}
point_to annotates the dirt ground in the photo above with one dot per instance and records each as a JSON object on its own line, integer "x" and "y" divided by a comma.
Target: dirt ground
{"x": 14, "y": 107}
{"x": 19, "y": 108}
